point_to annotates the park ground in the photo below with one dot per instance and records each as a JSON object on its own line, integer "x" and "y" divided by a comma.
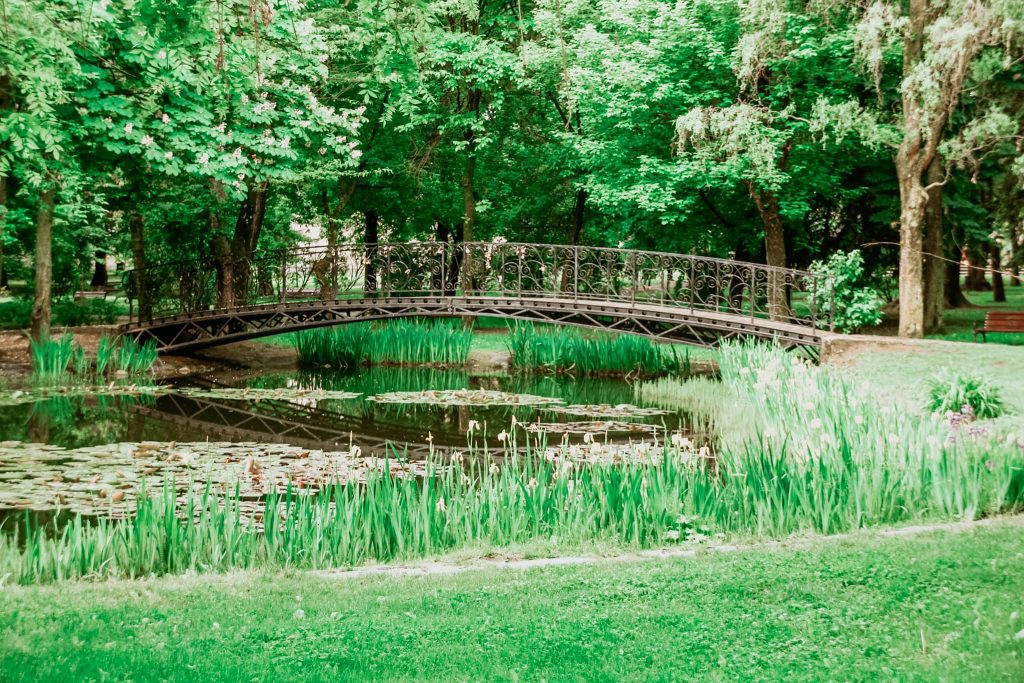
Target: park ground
{"x": 942, "y": 605}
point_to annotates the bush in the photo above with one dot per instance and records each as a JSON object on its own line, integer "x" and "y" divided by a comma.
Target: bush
{"x": 16, "y": 315}
{"x": 852, "y": 304}
{"x": 68, "y": 313}
{"x": 950, "y": 393}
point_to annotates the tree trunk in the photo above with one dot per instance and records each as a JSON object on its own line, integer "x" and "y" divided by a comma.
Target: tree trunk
{"x": 775, "y": 252}
{"x": 976, "y": 267}
{"x": 223, "y": 263}
{"x": 468, "y": 213}
{"x": 40, "y": 321}
{"x": 1016, "y": 257}
{"x": 913, "y": 200}
{"x": 954, "y": 295}
{"x": 572, "y": 238}
{"x": 934, "y": 268}
{"x": 99, "y": 272}
{"x": 371, "y": 236}
{"x": 998, "y": 290}
{"x": 248, "y": 227}
{"x": 3, "y": 223}
{"x": 136, "y": 228}
{"x": 578, "y": 215}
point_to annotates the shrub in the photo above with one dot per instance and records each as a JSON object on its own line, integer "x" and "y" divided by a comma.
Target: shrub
{"x": 846, "y": 297}
{"x": 16, "y": 314}
{"x": 951, "y": 392}
{"x": 67, "y": 313}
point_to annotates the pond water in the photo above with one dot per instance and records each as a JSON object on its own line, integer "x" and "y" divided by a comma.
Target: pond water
{"x": 89, "y": 452}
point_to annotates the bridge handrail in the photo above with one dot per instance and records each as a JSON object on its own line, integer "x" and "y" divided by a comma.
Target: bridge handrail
{"x": 447, "y": 268}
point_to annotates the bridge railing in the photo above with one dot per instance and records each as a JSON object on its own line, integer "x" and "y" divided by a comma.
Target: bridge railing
{"x": 506, "y": 269}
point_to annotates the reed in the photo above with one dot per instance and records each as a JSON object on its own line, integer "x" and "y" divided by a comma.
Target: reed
{"x": 399, "y": 342}
{"x": 440, "y": 342}
{"x": 60, "y": 360}
{"x": 566, "y": 350}
{"x": 52, "y": 358}
{"x": 129, "y": 356}
{"x": 342, "y": 347}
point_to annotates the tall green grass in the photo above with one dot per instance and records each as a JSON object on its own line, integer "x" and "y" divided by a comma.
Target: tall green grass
{"x": 60, "y": 360}
{"x": 820, "y": 455}
{"x": 342, "y": 347}
{"x": 564, "y": 349}
{"x": 441, "y": 342}
{"x": 52, "y": 358}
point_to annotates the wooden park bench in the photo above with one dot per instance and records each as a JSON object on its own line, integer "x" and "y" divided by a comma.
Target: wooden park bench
{"x": 97, "y": 294}
{"x": 302, "y": 293}
{"x": 1007, "y": 322}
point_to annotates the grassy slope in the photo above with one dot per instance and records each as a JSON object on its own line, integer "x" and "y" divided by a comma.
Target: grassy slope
{"x": 932, "y": 607}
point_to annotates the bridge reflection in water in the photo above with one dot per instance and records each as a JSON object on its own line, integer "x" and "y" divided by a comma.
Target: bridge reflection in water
{"x": 408, "y": 430}
{"x": 693, "y": 299}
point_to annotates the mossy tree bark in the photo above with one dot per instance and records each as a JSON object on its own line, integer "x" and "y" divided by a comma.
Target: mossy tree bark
{"x": 41, "y": 304}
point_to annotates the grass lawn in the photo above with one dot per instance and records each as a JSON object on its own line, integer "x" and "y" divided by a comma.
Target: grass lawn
{"x": 959, "y": 322}
{"x": 937, "y": 606}
{"x": 902, "y": 375}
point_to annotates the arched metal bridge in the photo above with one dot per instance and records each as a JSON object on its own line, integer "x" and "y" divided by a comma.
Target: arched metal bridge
{"x": 190, "y": 305}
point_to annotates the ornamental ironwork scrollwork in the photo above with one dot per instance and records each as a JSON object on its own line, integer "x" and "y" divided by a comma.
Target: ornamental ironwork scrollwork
{"x": 482, "y": 269}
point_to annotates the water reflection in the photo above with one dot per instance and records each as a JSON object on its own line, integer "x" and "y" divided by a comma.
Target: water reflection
{"x": 330, "y": 423}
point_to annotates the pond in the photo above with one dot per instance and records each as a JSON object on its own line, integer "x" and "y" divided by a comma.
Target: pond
{"x": 90, "y": 452}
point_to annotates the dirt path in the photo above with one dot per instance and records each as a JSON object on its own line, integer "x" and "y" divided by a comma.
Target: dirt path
{"x": 446, "y": 568}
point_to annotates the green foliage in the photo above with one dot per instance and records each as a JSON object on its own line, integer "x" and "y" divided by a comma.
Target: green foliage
{"x": 130, "y": 357}
{"x": 564, "y": 349}
{"x": 845, "y": 298}
{"x": 956, "y": 392}
{"x": 69, "y": 313}
{"x": 16, "y": 314}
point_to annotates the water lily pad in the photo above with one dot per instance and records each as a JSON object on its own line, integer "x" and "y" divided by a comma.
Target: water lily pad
{"x": 464, "y": 397}
{"x": 623, "y": 410}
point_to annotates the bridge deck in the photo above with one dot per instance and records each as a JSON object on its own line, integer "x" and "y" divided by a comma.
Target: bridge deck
{"x": 197, "y": 330}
